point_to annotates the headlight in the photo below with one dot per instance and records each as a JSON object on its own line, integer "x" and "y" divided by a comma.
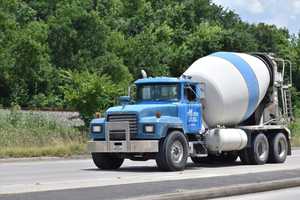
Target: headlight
{"x": 96, "y": 129}
{"x": 149, "y": 128}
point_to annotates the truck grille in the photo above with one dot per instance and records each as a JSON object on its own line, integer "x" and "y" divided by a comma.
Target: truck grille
{"x": 120, "y": 134}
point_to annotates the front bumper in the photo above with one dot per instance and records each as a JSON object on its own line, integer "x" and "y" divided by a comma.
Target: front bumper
{"x": 122, "y": 146}
{"x": 132, "y": 146}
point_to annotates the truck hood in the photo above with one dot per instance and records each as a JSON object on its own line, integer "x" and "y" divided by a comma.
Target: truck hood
{"x": 146, "y": 110}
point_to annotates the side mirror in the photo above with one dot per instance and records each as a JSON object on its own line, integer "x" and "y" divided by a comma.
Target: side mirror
{"x": 124, "y": 100}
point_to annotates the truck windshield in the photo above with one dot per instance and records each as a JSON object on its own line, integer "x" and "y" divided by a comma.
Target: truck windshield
{"x": 158, "y": 92}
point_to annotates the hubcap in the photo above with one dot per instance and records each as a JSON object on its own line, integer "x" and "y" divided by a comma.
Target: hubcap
{"x": 281, "y": 147}
{"x": 262, "y": 149}
{"x": 177, "y": 152}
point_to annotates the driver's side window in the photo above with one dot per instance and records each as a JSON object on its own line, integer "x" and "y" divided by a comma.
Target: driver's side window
{"x": 190, "y": 93}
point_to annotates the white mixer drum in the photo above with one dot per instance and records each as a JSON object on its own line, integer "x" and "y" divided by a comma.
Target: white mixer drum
{"x": 235, "y": 84}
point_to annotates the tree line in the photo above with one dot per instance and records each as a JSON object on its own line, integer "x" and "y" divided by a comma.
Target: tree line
{"x": 80, "y": 54}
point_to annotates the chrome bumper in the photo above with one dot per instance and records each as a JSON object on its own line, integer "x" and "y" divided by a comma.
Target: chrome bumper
{"x": 133, "y": 146}
{"x": 122, "y": 146}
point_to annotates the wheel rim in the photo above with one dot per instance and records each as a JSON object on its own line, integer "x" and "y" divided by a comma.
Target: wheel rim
{"x": 262, "y": 150}
{"x": 281, "y": 147}
{"x": 176, "y": 152}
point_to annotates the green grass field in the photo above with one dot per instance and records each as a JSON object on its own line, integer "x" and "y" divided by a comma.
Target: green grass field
{"x": 31, "y": 134}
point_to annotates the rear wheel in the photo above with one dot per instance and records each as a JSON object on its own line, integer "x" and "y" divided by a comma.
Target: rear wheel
{"x": 107, "y": 161}
{"x": 278, "y": 148}
{"x": 258, "y": 153}
{"x": 173, "y": 152}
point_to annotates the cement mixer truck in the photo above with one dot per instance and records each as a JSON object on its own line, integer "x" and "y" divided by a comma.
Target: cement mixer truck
{"x": 224, "y": 106}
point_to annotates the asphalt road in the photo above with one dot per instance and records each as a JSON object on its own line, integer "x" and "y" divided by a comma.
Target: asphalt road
{"x": 290, "y": 193}
{"x": 72, "y": 179}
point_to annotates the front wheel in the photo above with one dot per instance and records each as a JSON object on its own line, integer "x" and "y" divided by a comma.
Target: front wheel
{"x": 173, "y": 152}
{"x": 107, "y": 161}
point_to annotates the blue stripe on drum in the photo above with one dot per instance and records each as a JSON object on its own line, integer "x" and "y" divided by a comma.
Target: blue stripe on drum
{"x": 248, "y": 75}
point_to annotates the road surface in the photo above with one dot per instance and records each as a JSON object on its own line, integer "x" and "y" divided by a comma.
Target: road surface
{"x": 73, "y": 178}
{"x": 285, "y": 194}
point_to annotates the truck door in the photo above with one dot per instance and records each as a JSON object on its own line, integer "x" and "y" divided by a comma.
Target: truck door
{"x": 193, "y": 109}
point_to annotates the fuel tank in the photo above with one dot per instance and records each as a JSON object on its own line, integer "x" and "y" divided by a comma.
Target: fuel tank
{"x": 229, "y": 139}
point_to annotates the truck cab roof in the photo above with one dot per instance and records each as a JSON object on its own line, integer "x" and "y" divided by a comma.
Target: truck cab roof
{"x": 162, "y": 79}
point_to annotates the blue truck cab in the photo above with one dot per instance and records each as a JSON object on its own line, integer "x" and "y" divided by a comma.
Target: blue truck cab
{"x": 164, "y": 107}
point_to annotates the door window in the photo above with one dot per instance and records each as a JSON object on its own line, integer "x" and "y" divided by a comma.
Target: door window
{"x": 190, "y": 93}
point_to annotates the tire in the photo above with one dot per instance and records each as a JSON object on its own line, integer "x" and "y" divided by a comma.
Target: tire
{"x": 258, "y": 153}
{"x": 278, "y": 148}
{"x": 173, "y": 152}
{"x": 107, "y": 161}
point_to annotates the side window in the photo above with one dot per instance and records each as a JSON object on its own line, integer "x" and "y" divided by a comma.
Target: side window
{"x": 189, "y": 92}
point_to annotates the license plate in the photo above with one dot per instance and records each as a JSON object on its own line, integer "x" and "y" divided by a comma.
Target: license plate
{"x": 117, "y": 147}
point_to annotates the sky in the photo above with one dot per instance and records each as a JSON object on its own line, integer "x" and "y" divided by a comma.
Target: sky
{"x": 282, "y": 13}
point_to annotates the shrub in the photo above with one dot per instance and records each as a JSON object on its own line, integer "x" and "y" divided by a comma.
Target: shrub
{"x": 88, "y": 92}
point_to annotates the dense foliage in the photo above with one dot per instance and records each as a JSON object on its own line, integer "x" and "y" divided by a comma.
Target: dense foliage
{"x": 103, "y": 44}
{"x": 89, "y": 92}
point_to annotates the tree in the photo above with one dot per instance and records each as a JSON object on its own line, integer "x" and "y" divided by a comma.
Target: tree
{"x": 204, "y": 40}
{"x": 89, "y": 92}
{"x": 116, "y": 39}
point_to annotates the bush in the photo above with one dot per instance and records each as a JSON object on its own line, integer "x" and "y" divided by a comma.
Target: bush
{"x": 89, "y": 92}
{"x": 42, "y": 101}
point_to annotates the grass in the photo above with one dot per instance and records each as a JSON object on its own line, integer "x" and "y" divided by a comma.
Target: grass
{"x": 63, "y": 150}
{"x": 32, "y": 134}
